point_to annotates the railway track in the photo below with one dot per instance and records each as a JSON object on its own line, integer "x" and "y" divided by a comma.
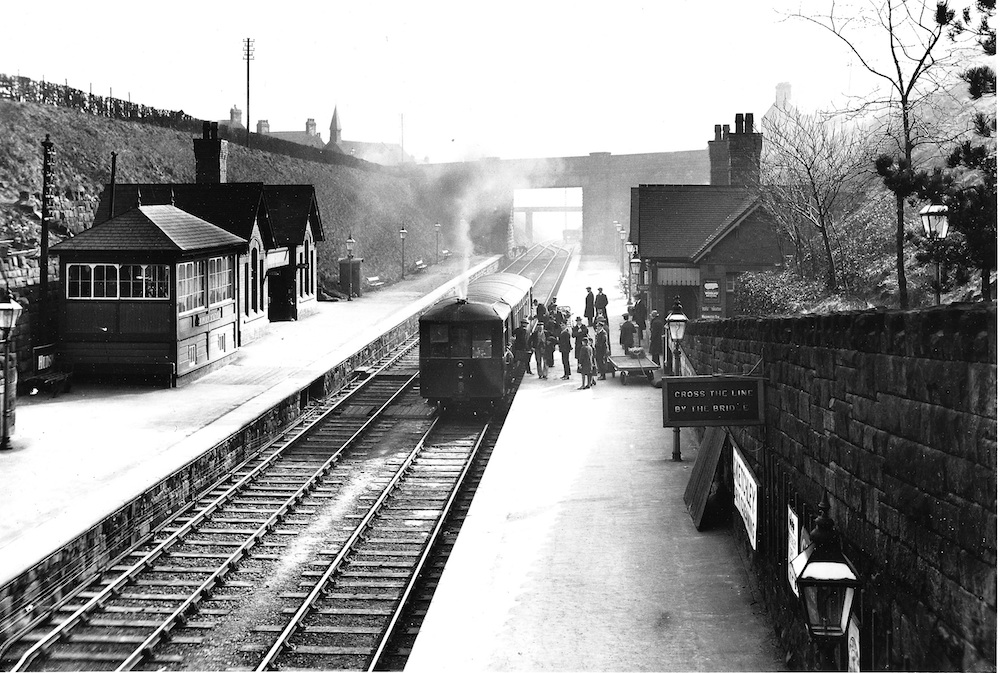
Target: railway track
{"x": 322, "y": 551}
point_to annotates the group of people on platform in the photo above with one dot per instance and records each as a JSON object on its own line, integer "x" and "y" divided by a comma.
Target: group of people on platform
{"x": 553, "y": 330}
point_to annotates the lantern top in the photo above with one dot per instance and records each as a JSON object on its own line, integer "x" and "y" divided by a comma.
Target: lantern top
{"x": 402, "y": 232}
{"x": 676, "y": 320}
{"x": 10, "y": 309}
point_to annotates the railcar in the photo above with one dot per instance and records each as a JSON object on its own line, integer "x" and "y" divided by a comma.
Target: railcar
{"x": 465, "y": 357}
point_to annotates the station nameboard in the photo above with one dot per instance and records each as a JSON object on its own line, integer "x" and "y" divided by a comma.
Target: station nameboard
{"x": 712, "y": 400}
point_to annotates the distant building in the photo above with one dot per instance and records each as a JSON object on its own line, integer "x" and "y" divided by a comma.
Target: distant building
{"x": 235, "y": 120}
{"x": 308, "y": 137}
{"x": 387, "y": 154}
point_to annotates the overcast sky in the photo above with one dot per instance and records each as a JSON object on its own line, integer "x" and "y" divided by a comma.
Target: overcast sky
{"x": 456, "y": 80}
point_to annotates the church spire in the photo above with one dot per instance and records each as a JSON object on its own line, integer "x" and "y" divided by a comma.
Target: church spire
{"x": 335, "y": 127}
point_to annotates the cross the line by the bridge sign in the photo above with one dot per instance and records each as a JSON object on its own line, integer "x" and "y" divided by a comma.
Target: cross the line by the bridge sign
{"x": 712, "y": 400}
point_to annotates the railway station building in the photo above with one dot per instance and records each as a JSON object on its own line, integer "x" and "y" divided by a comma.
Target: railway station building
{"x": 150, "y": 295}
{"x": 695, "y": 240}
{"x": 280, "y": 223}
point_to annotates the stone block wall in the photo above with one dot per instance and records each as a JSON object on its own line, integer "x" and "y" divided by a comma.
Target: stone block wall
{"x": 893, "y": 414}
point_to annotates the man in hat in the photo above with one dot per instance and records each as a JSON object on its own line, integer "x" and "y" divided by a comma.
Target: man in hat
{"x": 588, "y": 308}
{"x": 521, "y": 352}
{"x": 627, "y": 334}
{"x": 601, "y": 304}
{"x": 579, "y": 334}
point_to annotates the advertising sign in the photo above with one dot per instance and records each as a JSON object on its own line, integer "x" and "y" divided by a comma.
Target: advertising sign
{"x": 712, "y": 400}
{"x": 745, "y": 490}
{"x": 854, "y": 645}
{"x": 793, "y": 547}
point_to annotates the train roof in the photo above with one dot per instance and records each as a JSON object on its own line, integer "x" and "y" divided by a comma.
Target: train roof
{"x": 488, "y": 297}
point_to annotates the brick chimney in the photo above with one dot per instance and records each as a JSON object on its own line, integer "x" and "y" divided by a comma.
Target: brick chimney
{"x": 734, "y": 158}
{"x": 210, "y": 155}
{"x": 744, "y": 153}
{"x": 263, "y": 127}
{"x": 718, "y": 156}
{"x": 310, "y": 127}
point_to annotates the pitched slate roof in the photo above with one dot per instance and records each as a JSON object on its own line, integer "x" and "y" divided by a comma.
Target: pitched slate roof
{"x": 299, "y": 138}
{"x": 151, "y": 229}
{"x": 234, "y": 206}
{"x": 682, "y": 222}
{"x": 290, "y": 207}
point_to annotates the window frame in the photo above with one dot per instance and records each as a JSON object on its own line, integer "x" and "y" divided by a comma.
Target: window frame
{"x": 76, "y": 282}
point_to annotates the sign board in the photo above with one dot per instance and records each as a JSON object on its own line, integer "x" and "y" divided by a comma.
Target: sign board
{"x": 854, "y": 645}
{"x": 700, "y": 482}
{"x": 712, "y": 400}
{"x": 793, "y": 547}
{"x": 710, "y": 291}
{"x": 745, "y": 490}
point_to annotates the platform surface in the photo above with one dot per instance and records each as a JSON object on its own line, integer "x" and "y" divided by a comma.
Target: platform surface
{"x": 80, "y": 456}
{"x": 578, "y": 553}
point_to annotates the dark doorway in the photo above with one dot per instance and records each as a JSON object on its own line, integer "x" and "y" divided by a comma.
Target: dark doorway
{"x": 281, "y": 304}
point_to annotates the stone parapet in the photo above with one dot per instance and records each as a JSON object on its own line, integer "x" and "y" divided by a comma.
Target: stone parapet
{"x": 894, "y": 414}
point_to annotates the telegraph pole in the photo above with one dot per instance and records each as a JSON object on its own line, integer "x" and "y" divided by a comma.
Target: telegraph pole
{"x": 248, "y": 56}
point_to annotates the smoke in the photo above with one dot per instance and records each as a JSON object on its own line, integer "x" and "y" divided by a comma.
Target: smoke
{"x": 475, "y": 201}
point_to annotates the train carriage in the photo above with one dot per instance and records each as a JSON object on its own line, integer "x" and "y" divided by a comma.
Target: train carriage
{"x": 464, "y": 343}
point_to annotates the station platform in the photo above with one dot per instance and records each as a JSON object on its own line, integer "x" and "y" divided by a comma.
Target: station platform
{"x": 578, "y": 553}
{"x": 78, "y": 457}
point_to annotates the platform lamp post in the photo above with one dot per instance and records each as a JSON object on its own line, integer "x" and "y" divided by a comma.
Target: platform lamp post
{"x": 934, "y": 217}
{"x": 402, "y": 252}
{"x": 350, "y": 266}
{"x": 676, "y": 324}
{"x": 622, "y": 234}
{"x": 634, "y": 268}
{"x": 827, "y": 582}
{"x": 9, "y": 311}
{"x": 437, "y": 242}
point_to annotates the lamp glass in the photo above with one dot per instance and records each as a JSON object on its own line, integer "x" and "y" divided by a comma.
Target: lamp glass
{"x": 934, "y": 219}
{"x": 676, "y": 323}
{"x": 622, "y": 233}
{"x": 437, "y": 226}
{"x": 635, "y": 264}
{"x": 350, "y": 243}
{"x": 402, "y": 232}
{"x": 9, "y": 311}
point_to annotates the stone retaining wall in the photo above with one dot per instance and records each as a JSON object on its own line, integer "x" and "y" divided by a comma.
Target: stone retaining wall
{"x": 893, "y": 413}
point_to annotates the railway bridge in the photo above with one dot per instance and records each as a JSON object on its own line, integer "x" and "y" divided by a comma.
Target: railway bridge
{"x": 606, "y": 180}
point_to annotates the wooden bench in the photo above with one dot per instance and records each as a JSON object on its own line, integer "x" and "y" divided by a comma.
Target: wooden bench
{"x": 374, "y": 282}
{"x": 47, "y": 376}
{"x": 419, "y": 265}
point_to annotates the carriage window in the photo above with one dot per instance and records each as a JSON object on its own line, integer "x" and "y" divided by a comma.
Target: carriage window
{"x": 461, "y": 342}
{"x": 438, "y": 338}
{"x": 482, "y": 345}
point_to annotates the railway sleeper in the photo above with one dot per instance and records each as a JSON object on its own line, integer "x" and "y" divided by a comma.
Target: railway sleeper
{"x": 345, "y": 612}
{"x": 75, "y": 655}
{"x": 314, "y": 650}
{"x": 335, "y": 595}
{"x": 306, "y": 628}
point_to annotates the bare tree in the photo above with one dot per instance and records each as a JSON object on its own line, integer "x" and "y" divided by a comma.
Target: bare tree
{"x": 815, "y": 171}
{"x": 911, "y": 63}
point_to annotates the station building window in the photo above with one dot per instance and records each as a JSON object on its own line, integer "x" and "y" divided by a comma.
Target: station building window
{"x": 190, "y": 286}
{"x": 220, "y": 280}
{"x": 117, "y": 281}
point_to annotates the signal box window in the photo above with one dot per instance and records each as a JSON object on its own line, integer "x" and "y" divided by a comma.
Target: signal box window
{"x": 482, "y": 345}
{"x": 437, "y": 335}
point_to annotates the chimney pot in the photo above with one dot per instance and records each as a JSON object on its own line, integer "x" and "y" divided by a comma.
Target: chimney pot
{"x": 748, "y": 122}
{"x": 206, "y": 130}
{"x": 739, "y": 122}
{"x": 215, "y": 130}
{"x": 725, "y": 130}
{"x": 718, "y": 131}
